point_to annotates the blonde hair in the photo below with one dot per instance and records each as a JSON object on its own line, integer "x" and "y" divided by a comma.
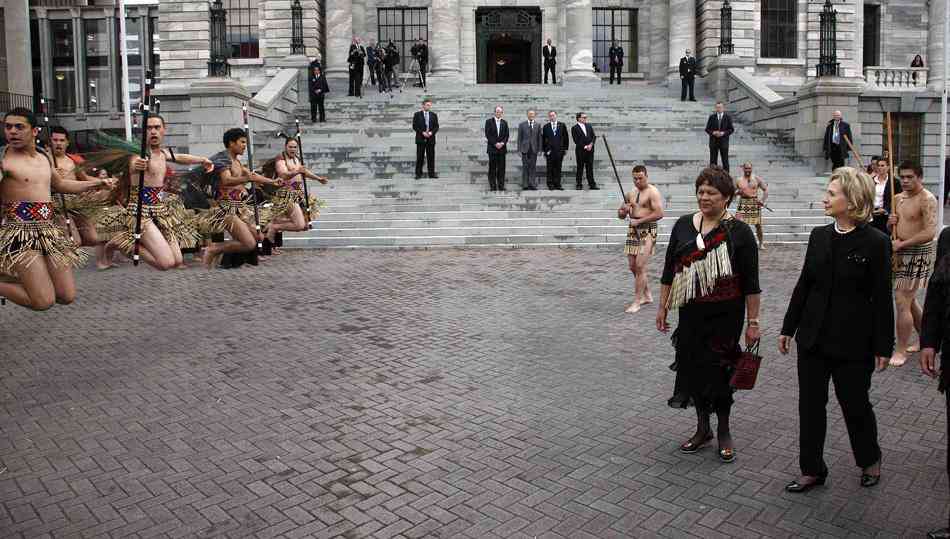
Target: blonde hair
{"x": 858, "y": 188}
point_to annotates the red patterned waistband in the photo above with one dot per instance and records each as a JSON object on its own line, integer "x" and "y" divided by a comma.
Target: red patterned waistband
{"x": 28, "y": 211}
{"x": 726, "y": 289}
{"x": 150, "y": 195}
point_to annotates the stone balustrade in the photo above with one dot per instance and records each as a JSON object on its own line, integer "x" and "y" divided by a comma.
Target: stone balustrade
{"x": 896, "y": 78}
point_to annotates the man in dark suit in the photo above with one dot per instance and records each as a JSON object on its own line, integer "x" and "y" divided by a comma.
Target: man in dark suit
{"x": 550, "y": 61}
{"x": 529, "y": 144}
{"x": 420, "y": 51}
{"x": 834, "y": 145}
{"x": 584, "y": 137}
{"x": 496, "y": 136}
{"x": 719, "y": 127}
{"x": 616, "y": 62}
{"x": 688, "y": 66}
{"x": 356, "y": 58}
{"x": 318, "y": 91}
{"x": 426, "y": 124}
{"x": 554, "y": 144}
{"x": 372, "y": 61}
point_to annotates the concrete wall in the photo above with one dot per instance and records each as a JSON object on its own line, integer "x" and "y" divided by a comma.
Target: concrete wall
{"x": 759, "y": 106}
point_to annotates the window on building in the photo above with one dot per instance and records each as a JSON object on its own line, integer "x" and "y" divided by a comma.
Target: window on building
{"x": 403, "y": 26}
{"x": 906, "y": 131}
{"x": 779, "y": 35}
{"x": 614, "y": 25}
{"x": 243, "y": 33}
{"x": 64, "y": 66}
{"x": 99, "y": 90}
{"x": 872, "y": 35}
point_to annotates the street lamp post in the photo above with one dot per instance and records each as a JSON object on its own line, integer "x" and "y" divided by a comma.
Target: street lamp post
{"x": 725, "y": 35}
{"x": 828, "y": 65}
{"x": 296, "y": 28}
{"x": 218, "y": 63}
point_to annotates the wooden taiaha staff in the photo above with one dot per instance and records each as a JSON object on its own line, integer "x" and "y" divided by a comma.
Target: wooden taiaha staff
{"x": 250, "y": 168}
{"x": 44, "y": 105}
{"x": 890, "y": 168}
{"x": 143, "y": 150}
{"x": 854, "y": 151}
{"x": 306, "y": 191}
{"x": 614, "y": 165}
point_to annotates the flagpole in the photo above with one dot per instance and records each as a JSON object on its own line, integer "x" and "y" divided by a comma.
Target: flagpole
{"x": 124, "y": 58}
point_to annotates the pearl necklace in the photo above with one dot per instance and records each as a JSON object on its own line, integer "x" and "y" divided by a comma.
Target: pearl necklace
{"x": 839, "y": 231}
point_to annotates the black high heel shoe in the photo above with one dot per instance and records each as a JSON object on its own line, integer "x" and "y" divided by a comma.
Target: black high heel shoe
{"x": 798, "y": 488}
{"x": 868, "y": 480}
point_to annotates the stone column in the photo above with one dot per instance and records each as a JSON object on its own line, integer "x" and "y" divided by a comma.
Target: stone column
{"x": 580, "y": 43}
{"x": 444, "y": 47}
{"x": 185, "y": 30}
{"x": 682, "y": 15}
{"x": 935, "y": 50}
{"x": 17, "y": 31}
{"x": 359, "y": 21}
{"x": 339, "y": 35}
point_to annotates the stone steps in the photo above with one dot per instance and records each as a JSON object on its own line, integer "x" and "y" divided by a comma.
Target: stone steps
{"x": 374, "y": 201}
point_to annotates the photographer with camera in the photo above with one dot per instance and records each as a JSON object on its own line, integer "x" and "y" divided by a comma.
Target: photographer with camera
{"x": 420, "y": 53}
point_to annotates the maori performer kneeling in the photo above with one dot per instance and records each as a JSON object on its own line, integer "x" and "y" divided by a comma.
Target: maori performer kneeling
{"x": 288, "y": 201}
{"x": 232, "y": 210}
{"x": 33, "y": 250}
{"x": 711, "y": 275}
{"x": 165, "y": 227}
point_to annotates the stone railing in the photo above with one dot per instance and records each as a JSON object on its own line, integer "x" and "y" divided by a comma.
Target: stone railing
{"x": 758, "y": 105}
{"x": 896, "y": 78}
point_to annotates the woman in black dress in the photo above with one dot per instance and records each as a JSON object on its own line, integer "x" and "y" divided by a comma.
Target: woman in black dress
{"x": 711, "y": 275}
{"x": 842, "y": 317}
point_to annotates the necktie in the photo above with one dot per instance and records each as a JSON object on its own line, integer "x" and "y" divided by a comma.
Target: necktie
{"x": 531, "y": 125}
{"x": 554, "y": 128}
{"x": 720, "y": 119}
{"x": 836, "y": 137}
{"x": 427, "y": 121}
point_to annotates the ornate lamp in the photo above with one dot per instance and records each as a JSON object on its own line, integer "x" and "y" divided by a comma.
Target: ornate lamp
{"x": 725, "y": 35}
{"x": 296, "y": 28}
{"x": 218, "y": 63}
{"x": 828, "y": 65}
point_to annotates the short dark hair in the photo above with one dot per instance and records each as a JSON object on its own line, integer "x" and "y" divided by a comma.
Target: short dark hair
{"x": 426, "y": 100}
{"x": 578, "y": 115}
{"x": 640, "y": 168}
{"x": 232, "y": 135}
{"x": 719, "y": 179}
{"x": 24, "y": 112}
{"x": 912, "y": 165}
{"x": 159, "y": 116}
{"x": 60, "y": 130}
{"x": 879, "y": 159}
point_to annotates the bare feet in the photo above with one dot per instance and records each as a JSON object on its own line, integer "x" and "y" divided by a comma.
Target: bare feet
{"x": 102, "y": 266}
{"x": 649, "y": 299}
{"x": 914, "y": 348}
{"x": 633, "y": 308}
{"x": 897, "y": 360}
{"x": 208, "y": 258}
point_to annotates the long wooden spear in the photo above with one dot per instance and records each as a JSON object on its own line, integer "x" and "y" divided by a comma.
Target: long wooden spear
{"x": 890, "y": 168}
{"x": 306, "y": 192}
{"x": 614, "y": 165}
{"x": 143, "y": 149}
{"x": 250, "y": 167}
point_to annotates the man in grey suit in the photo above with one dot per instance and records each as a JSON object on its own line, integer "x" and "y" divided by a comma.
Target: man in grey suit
{"x": 529, "y": 144}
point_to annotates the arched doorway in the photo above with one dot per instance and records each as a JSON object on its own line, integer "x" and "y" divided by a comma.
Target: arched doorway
{"x": 508, "y": 45}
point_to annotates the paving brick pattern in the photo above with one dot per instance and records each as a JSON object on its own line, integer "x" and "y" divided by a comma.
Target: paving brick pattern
{"x": 444, "y": 393}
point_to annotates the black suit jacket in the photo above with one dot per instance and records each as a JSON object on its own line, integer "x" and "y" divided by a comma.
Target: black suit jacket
{"x": 713, "y": 124}
{"x": 616, "y": 56}
{"x": 935, "y": 325}
{"x": 356, "y": 57}
{"x": 688, "y": 67}
{"x": 863, "y": 295}
{"x": 419, "y": 126}
{"x": 492, "y": 136}
{"x": 550, "y": 54}
{"x": 844, "y": 130}
{"x": 580, "y": 139}
{"x": 420, "y": 52}
{"x": 556, "y": 144}
{"x": 318, "y": 83}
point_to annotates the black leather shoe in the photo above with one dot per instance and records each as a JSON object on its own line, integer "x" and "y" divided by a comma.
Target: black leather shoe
{"x": 434, "y": 176}
{"x": 688, "y": 447}
{"x": 868, "y": 480}
{"x": 797, "y": 488}
{"x": 594, "y": 188}
{"x": 418, "y": 176}
{"x": 579, "y": 187}
{"x": 942, "y": 533}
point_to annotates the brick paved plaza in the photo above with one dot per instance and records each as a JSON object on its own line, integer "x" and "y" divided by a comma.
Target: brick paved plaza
{"x": 444, "y": 393}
